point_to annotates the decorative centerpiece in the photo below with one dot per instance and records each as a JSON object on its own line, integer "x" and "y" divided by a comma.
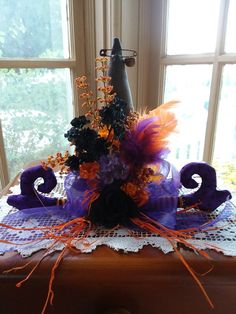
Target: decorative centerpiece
{"x": 118, "y": 174}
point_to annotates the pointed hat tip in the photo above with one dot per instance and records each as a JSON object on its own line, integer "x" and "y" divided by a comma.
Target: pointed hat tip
{"x": 116, "y": 48}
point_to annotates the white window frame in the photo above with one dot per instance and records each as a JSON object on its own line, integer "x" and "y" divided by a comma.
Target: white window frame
{"x": 4, "y": 177}
{"x": 140, "y": 25}
{"x": 217, "y": 60}
{"x": 76, "y": 62}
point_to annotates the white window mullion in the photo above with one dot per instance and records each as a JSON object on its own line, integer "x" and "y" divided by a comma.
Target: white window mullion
{"x": 143, "y": 50}
{"x": 188, "y": 59}
{"x": 116, "y": 23}
{"x": 77, "y": 46}
{"x": 38, "y": 63}
{"x": 215, "y": 85}
{"x": 4, "y": 176}
{"x": 90, "y": 41}
{"x": 229, "y": 58}
{"x": 162, "y": 49}
{"x": 212, "y": 112}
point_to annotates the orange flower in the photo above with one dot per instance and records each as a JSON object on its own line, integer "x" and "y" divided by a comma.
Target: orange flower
{"x": 85, "y": 95}
{"x": 130, "y": 189}
{"x": 103, "y": 78}
{"x": 81, "y": 82}
{"x": 103, "y": 132}
{"x": 107, "y": 99}
{"x": 139, "y": 196}
{"x": 105, "y": 89}
{"x": 102, "y": 67}
{"x": 89, "y": 170}
{"x": 102, "y": 59}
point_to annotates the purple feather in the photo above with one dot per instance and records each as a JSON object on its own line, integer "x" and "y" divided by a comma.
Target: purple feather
{"x": 136, "y": 146}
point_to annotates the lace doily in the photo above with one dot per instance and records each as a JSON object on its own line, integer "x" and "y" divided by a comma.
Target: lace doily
{"x": 222, "y": 238}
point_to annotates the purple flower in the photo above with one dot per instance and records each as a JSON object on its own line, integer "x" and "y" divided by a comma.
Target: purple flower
{"x": 106, "y": 178}
{"x": 112, "y": 168}
{"x": 106, "y": 163}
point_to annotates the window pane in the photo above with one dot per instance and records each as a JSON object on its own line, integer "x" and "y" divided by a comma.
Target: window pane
{"x": 35, "y": 109}
{"x": 33, "y": 29}
{"x": 190, "y": 84}
{"x": 230, "y": 40}
{"x": 192, "y": 26}
{"x": 225, "y": 146}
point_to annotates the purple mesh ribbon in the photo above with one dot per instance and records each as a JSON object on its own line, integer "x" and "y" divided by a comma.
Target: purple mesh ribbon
{"x": 163, "y": 197}
{"x": 202, "y": 220}
{"x": 161, "y": 206}
{"x": 76, "y": 190}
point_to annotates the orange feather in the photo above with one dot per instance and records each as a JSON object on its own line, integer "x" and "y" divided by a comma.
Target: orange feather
{"x": 163, "y": 126}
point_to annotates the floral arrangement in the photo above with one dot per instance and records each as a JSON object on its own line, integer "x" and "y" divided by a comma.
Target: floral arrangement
{"x": 118, "y": 175}
{"x": 117, "y": 153}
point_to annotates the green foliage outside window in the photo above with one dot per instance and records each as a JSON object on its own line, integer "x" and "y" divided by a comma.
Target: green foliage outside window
{"x": 35, "y": 104}
{"x": 34, "y": 112}
{"x": 227, "y": 173}
{"x": 30, "y": 29}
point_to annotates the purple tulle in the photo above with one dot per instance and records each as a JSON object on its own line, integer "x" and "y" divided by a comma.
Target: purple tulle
{"x": 161, "y": 205}
{"x": 76, "y": 190}
{"x": 163, "y": 198}
{"x": 201, "y": 220}
{"x": 31, "y": 213}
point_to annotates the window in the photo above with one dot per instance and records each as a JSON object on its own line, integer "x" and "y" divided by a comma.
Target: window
{"x": 38, "y": 64}
{"x": 198, "y": 67}
{"x": 42, "y": 43}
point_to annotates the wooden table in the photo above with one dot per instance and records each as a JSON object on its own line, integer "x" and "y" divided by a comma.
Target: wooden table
{"x": 148, "y": 282}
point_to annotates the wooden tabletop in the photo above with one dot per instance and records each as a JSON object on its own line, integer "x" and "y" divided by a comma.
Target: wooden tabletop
{"x": 147, "y": 282}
